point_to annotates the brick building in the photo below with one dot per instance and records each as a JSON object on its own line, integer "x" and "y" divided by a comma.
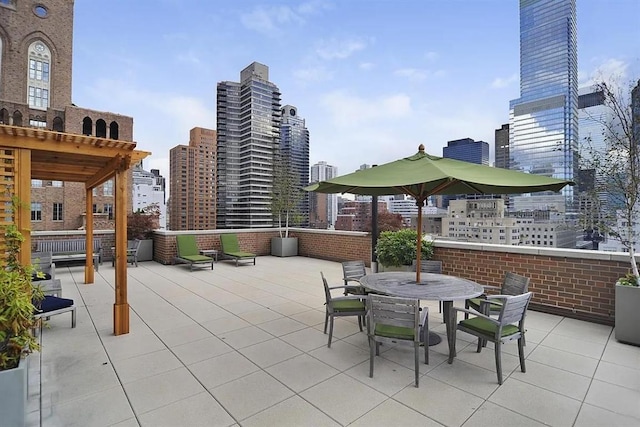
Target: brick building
{"x": 36, "y": 45}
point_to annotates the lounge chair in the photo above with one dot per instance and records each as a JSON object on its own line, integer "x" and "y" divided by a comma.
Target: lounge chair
{"x": 188, "y": 252}
{"x": 231, "y": 249}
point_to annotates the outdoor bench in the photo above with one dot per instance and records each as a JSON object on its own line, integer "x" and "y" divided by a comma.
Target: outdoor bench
{"x": 71, "y": 250}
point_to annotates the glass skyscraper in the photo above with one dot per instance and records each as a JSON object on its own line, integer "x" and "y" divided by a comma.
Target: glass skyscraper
{"x": 543, "y": 122}
{"x": 248, "y": 122}
{"x": 294, "y": 149}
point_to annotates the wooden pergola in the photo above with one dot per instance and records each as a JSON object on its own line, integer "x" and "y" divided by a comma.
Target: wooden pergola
{"x": 28, "y": 153}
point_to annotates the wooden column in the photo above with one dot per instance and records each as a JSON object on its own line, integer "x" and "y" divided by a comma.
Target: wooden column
{"x": 22, "y": 216}
{"x": 121, "y": 307}
{"x": 88, "y": 266}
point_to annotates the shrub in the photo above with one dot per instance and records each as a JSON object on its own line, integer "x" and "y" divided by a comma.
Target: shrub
{"x": 396, "y": 248}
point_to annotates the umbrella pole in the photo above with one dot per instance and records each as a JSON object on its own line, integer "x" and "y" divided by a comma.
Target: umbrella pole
{"x": 419, "y": 242}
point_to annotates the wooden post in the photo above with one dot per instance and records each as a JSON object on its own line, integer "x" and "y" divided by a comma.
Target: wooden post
{"x": 22, "y": 216}
{"x": 121, "y": 306}
{"x": 88, "y": 266}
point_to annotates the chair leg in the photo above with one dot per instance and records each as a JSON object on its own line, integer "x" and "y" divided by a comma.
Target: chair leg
{"x": 480, "y": 345}
{"x": 425, "y": 339}
{"x": 372, "y": 344}
{"x": 360, "y": 322}
{"x": 452, "y": 343}
{"x": 330, "y": 331}
{"x": 498, "y": 360}
{"x": 521, "y": 353}
{"x": 73, "y": 317}
{"x": 326, "y": 320}
{"x": 416, "y": 356}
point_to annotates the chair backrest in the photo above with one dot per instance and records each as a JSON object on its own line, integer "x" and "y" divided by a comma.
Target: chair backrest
{"x": 353, "y": 270}
{"x": 133, "y": 245}
{"x": 186, "y": 245}
{"x": 327, "y": 293}
{"x": 42, "y": 261}
{"x": 431, "y": 266}
{"x": 514, "y": 309}
{"x": 394, "y": 311}
{"x": 229, "y": 243}
{"x": 514, "y": 284}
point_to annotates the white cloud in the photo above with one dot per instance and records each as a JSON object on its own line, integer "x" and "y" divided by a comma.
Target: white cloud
{"x": 312, "y": 74}
{"x": 502, "y": 82}
{"x": 346, "y": 110}
{"x": 366, "y": 65}
{"x": 189, "y": 56}
{"x": 339, "y": 49}
{"x": 313, "y": 7}
{"x": 609, "y": 69}
{"x": 269, "y": 20}
{"x": 431, "y": 56}
{"x": 413, "y": 74}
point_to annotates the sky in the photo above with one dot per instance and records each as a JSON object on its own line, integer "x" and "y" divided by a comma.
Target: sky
{"x": 372, "y": 78}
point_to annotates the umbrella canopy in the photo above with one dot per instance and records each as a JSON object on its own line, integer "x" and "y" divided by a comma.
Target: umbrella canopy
{"x": 423, "y": 175}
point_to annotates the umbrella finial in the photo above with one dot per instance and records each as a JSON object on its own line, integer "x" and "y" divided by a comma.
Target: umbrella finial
{"x": 421, "y": 148}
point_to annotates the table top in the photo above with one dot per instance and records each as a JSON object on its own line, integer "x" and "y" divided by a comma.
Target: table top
{"x": 435, "y": 287}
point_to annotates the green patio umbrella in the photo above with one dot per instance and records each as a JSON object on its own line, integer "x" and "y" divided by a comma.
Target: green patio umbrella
{"x": 423, "y": 175}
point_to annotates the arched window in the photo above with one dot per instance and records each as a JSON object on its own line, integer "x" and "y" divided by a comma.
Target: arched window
{"x": 17, "y": 118}
{"x": 87, "y": 126}
{"x": 4, "y": 116}
{"x": 113, "y": 130}
{"x": 58, "y": 124}
{"x": 101, "y": 128}
{"x": 39, "y": 75}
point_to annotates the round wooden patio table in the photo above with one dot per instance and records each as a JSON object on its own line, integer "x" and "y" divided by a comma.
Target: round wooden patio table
{"x": 433, "y": 287}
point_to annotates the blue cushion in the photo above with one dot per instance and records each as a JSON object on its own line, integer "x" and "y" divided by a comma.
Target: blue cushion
{"x": 51, "y": 303}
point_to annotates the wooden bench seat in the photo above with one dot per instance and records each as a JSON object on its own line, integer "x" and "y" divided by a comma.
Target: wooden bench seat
{"x": 71, "y": 250}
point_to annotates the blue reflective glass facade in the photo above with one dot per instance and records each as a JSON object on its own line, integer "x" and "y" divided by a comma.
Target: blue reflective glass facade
{"x": 543, "y": 122}
{"x": 294, "y": 148}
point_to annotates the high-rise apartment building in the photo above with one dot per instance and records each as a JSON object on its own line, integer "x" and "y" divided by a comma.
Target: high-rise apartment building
{"x": 294, "y": 150}
{"x": 502, "y": 147}
{"x": 193, "y": 182}
{"x": 467, "y": 150}
{"x": 323, "y": 208}
{"x": 36, "y": 41}
{"x": 248, "y": 124}
{"x": 543, "y": 122}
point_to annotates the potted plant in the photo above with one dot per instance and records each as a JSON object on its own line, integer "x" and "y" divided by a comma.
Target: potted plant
{"x": 614, "y": 196}
{"x": 396, "y": 250}
{"x": 140, "y": 226}
{"x": 16, "y": 324}
{"x": 285, "y": 199}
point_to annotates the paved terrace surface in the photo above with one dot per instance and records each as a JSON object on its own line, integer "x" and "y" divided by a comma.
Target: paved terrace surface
{"x": 244, "y": 346}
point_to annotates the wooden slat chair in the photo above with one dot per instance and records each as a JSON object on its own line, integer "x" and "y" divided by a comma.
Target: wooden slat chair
{"x": 352, "y": 272}
{"x": 507, "y": 327}
{"x": 231, "y": 249}
{"x": 512, "y": 284}
{"x": 397, "y": 320}
{"x": 45, "y": 273}
{"x": 432, "y": 266}
{"x": 341, "y": 306}
{"x": 189, "y": 253}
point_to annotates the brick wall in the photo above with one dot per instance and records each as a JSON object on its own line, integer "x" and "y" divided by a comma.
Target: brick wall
{"x": 572, "y": 283}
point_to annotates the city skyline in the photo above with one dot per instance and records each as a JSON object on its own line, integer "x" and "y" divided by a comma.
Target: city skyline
{"x": 372, "y": 82}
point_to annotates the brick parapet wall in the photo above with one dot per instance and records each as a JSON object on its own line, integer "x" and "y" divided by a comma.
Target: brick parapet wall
{"x": 572, "y": 283}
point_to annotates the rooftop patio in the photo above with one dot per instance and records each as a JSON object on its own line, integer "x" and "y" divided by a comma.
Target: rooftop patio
{"x": 244, "y": 346}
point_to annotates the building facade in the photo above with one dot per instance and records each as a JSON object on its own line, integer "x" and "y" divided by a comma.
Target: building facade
{"x": 502, "y": 147}
{"x": 148, "y": 190}
{"x": 294, "y": 150}
{"x": 543, "y": 122}
{"x": 248, "y": 125}
{"x": 323, "y": 208}
{"x": 36, "y": 45}
{"x": 467, "y": 150}
{"x": 193, "y": 182}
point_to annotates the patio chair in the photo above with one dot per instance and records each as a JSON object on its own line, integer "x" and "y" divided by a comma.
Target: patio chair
{"x": 432, "y": 266}
{"x": 132, "y": 251}
{"x": 397, "y": 320}
{"x": 512, "y": 284}
{"x": 341, "y": 306}
{"x": 188, "y": 252}
{"x": 507, "y": 327}
{"x": 352, "y": 272}
{"x": 50, "y": 306}
{"x": 44, "y": 274}
{"x": 231, "y": 249}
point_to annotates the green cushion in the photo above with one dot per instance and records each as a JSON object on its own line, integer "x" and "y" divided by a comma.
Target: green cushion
{"x": 186, "y": 245}
{"x": 484, "y": 326}
{"x": 347, "y": 305}
{"x": 197, "y": 258}
{"x": 241, "y": 254}
{"x": 390, "y": 331}
{"x": 231, "y": 247}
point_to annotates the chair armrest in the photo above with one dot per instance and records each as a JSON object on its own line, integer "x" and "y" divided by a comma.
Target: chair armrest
{"x": 348, "y": 297}
{"x": 501, "y": 297}
{"x": 491, "y": 287}
{"x": 455, "y": 310}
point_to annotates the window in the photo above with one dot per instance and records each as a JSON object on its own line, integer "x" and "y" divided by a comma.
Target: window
{"x": 94, "y": 209}
{"x": 108, "y": 209}
{"x": 56, "y": 183}
{"x": 37, "y": 123}
{"x": 57, "y": 211}
{"x": 107, "y": 188}
{"x": 38, "y": 74}
{"x": 36, "y": 211}
{"x": 36, "y": 183}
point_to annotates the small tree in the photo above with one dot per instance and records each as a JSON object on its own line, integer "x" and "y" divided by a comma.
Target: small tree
{"x": 140, "y": 224}
{"x": 286, "y": 196}
{"x": 387, "y": 221}
{"x": 615, "y": 193}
